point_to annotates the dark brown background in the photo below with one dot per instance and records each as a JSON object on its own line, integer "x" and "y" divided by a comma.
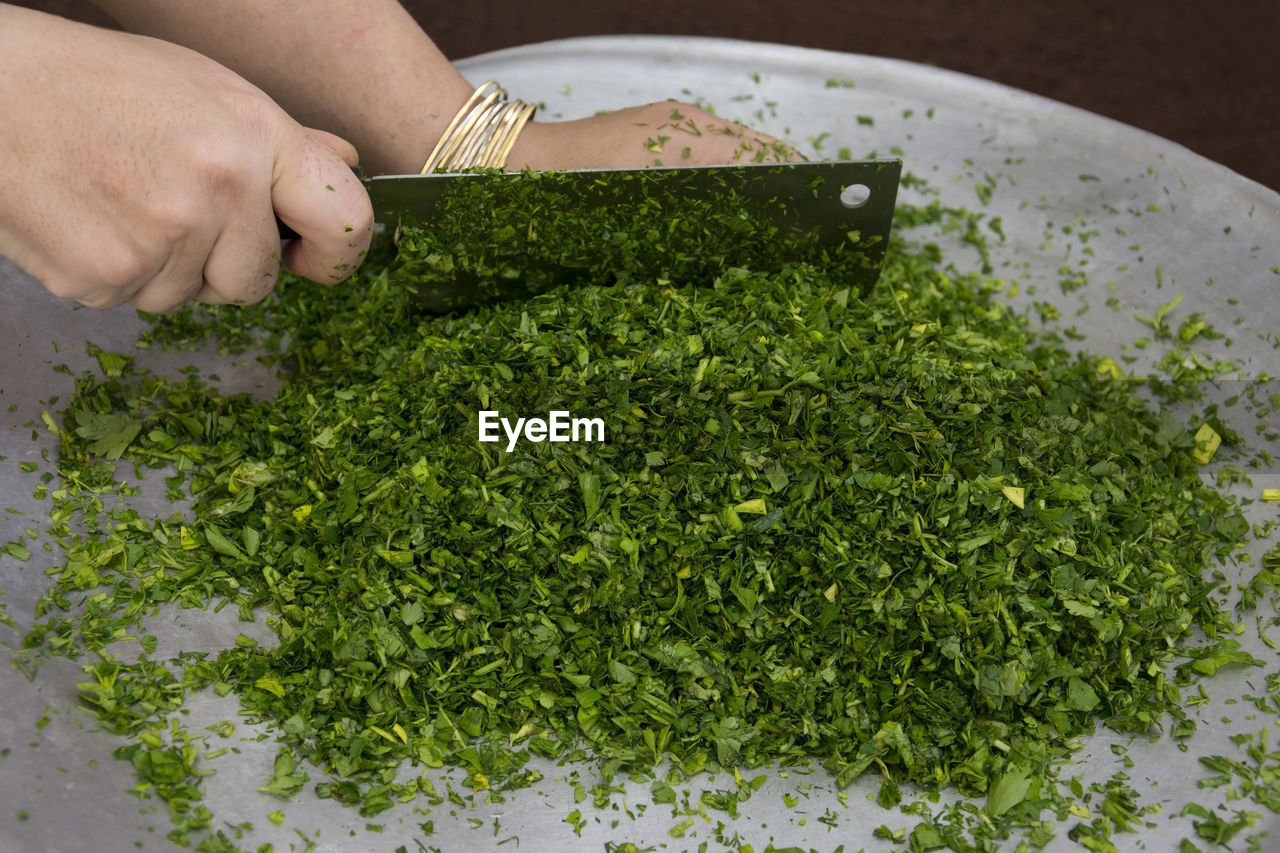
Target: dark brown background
{"x": 1205, "y": 74}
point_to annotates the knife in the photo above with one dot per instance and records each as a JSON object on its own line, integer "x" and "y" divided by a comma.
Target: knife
{"x": 496, "y": 235}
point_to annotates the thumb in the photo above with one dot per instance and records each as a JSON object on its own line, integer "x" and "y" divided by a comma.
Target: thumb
{"x": 337, "y": 145}
{"x": 314, "y": 192}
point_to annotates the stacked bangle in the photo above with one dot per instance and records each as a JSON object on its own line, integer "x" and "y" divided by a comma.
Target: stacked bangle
{"x": 482, "y": 133}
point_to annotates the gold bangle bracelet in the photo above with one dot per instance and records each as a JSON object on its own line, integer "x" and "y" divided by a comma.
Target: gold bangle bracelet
{"x": 482, "y": 133}
{"x": 504, "y": 142}
{"x": 461, "y": 125}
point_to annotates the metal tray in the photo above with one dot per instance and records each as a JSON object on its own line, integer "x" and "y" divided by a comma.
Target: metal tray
{"x": 1144, "y": 218}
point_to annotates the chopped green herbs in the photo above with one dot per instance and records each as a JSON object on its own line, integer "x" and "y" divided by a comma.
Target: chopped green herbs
{"x": 894, "y": 531}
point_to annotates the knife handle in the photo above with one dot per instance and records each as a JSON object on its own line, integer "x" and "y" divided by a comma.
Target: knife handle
{"x": 287, "y": 233}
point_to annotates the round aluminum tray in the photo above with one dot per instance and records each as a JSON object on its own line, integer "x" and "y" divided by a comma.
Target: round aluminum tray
{"x": 1145, "y": 220}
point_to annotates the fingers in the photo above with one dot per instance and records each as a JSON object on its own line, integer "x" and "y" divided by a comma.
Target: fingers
{"x": 315, "y": 193}
{"x": 238, "y": 261}
{"x": 178, "y": 280}
{"x": 175, "y": 286}
{"x": 667, "y": 133}
{"x": 239, "y": 265}
{"x": 244, "y": 261}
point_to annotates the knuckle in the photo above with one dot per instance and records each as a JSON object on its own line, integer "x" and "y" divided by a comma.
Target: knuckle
{"x": 121, "y": 266}
{"x": 254, "y": 112}
{"x": 63, "y": 287}
{"x": 217, "y": 180}
{"x": 179, "y": 215}
{"x": 217, "y": 167}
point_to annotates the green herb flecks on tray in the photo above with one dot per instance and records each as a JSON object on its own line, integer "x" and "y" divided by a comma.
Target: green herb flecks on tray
{"x": 896, "y": 532}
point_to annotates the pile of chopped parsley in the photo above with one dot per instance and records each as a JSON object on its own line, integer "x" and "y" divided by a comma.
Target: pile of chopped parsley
{"x": 896, "y": 532}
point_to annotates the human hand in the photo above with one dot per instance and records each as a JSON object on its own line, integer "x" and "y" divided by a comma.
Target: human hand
{"x": 667, "y": 133}
{"x": 139, "y": 171}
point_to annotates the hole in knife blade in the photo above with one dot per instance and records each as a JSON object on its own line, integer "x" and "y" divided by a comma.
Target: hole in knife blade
{"x": 855, "y": 195}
